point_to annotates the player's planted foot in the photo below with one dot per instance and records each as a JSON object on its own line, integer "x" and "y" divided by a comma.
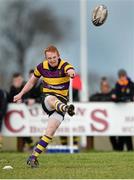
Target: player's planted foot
{"x": 70, "y": 109}
{"x": 33, "y": 162}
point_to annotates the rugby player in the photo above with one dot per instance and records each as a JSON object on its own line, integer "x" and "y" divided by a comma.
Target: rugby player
{"x": 56, "y": 74}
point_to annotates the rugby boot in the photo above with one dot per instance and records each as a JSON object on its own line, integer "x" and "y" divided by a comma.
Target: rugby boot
{"x": 33, "y": 162}
{"x": 70, "y": 109}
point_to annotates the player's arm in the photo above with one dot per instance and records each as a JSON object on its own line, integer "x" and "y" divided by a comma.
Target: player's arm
{"x": 28, "y": 86}
{"x": 69, "y": 70}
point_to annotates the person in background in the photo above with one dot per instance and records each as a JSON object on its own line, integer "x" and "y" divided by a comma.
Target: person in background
{"x": 3, "y": 109}
{"x": 17, "y": 83}
{"x": 105, "y": 95}
{"x": 16, "y": 86}
{"x": 124, "y": 92}
{"x": 35, "y": 94}
{"x": 124, "y": 88}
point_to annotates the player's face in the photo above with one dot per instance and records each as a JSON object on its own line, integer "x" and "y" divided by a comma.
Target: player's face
{"x": 52, "y": 58}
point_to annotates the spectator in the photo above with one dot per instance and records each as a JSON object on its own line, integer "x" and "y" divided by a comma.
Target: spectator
{"x": 124, "y": 88}
{"x": 16, "y": 86}
{"x": 105, "y": 95}
{"x": 105, "y": 92}
{"x": 3, "y": 109}
{"x": 34, "y": 95}
{"x": 124, "y": 92}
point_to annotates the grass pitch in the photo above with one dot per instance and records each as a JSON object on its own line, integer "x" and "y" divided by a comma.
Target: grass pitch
{"x": 92, "y": 165}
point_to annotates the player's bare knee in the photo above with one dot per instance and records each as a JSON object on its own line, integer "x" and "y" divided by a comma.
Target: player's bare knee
{"x": 52, "y": 100}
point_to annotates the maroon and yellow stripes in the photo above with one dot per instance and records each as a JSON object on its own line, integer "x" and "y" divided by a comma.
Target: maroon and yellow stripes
{"x": 67, "y": 67}
{"x": 45, "y": 140}
{"x": 60, "y": 107}
{"x": 63, "y": 86}
{"x": 55, "y": 81}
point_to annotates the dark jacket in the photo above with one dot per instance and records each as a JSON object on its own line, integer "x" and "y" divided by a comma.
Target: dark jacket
{"x": 35, "y": 92}
{"x": 101, "y": 97}
{"x": 3, "y": 105}
{"x": 14, "y": 91}
{"x": 124, "y": 92}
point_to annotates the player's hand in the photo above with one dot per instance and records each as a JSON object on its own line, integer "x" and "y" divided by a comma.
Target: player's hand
{"x": 17, "y": 98}
{"x": 71, "y": 73}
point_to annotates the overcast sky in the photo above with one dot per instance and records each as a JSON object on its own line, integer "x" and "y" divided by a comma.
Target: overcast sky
{"x": 111, "y": 46}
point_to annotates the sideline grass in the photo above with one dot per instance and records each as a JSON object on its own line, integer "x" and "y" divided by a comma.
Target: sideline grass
{"x": 92, "y": 165}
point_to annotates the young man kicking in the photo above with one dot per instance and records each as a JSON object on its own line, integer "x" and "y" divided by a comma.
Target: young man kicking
{"x": 56, "y": 75}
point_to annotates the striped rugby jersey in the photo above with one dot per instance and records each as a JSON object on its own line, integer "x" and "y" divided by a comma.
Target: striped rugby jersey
{"x": 55, "y": 80}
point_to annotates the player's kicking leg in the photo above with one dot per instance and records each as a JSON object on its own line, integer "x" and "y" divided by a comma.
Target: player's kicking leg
{"x": 50, "y": 104}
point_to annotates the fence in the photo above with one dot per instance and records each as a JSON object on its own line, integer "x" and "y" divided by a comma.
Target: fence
{"x": 91, "y": 119}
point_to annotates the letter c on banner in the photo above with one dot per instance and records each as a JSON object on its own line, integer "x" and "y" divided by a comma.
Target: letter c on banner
{"x": 8, "y": 123}
{"x": 99, "y": 120}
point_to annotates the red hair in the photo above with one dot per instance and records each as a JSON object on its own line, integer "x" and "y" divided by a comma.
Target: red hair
{"x": 51, "y": 49}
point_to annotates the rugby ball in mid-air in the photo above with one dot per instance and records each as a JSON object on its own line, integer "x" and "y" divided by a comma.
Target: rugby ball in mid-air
{"x": 99, "y": 15}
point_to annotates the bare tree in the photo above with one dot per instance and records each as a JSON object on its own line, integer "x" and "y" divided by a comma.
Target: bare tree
{"x": 21, "y": 21}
